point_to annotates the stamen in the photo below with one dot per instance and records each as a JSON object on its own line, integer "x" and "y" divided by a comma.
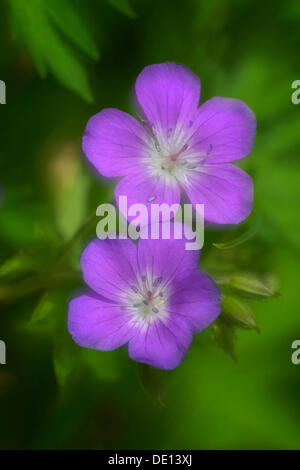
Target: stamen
{"x": 157, "y": 281}
{"x": 145, "y": 302}
{"x": 157, "y": 146}
{"x": 155, "y": 310}
{"x": 191, "y": 167}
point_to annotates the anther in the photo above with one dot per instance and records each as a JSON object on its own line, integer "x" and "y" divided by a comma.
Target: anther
{"x": 157, "y": 146}
{"x": 155, "y": 310}
{"x": 157, "y": 281}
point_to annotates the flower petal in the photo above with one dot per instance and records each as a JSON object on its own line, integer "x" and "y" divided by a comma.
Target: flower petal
{"x": 225, "y": 190}
{"x": 139, "y": 188}
{"x": 114, "y": 142}
{"x": 196, "y": 299}
{"x": 98, "y": 325}
{"x": 109, "y": 266}
{"x": 168, "y": 94}
{"x": 223, "y": 130}
{"x": 166, "y": 258}
{"x": 159, "y": 346}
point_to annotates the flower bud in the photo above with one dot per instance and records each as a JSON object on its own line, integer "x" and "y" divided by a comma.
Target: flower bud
{"x": 251, "y": 288}
{"x": 224, "y": 335}
{"x": 238, "y": 313}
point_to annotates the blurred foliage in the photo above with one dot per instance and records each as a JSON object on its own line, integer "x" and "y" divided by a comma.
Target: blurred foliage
{"x": 54, "y": 394}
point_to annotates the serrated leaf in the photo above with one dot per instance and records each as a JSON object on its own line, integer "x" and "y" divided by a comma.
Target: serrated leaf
{"x": 48, "y": 49}
{"x": 124, "y": 7}
{"x": 68, "y": 20}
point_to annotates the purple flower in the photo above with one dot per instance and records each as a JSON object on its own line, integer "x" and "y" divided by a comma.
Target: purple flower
{"x": 176, "y": 146}
{"x": 150, "y": 295}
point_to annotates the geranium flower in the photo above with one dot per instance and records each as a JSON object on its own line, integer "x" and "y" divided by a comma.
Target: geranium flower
{"x": 150, "y": 295}
{"x": 176, "y": 146}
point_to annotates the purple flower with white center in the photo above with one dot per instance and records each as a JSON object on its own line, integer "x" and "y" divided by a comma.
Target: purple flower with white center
{"x": 176, "y": 146}
{"x": 149, "y": 295}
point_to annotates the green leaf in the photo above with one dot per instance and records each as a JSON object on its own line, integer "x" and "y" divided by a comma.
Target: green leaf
{"x": 224, "y": 335}
{"x": 124, "y": 7}
{"x": 66, "y": 354}
{"x": 21, "y": 262}
{"x": 27, "y": 260}
{"x": 104, "y": 365}
{"x": 69, "y": 187}
{"x": 238, "y": 313}
{"x": 68, "y": 20}
{"x": 45, "y": 307}
{"x": 48, "y": 49}
{"x": 153, "y": 381}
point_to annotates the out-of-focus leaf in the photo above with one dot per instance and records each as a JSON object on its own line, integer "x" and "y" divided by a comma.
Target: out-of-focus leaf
{"x": 66, "y": 17}
{"x": 21, "y": 262}
{"x": 123, "y": 6}
{"x": 104, "y": 365}
{"x": 153, "y": 381}
{"x": 261, "y": 71}
{"x": 45, "y": 307}
{"x": 280, "y": 207}
{"x": 224, "y": 334}
{"x": 66, "y": 354}
{"x": 30, "y": 259}
{"x": 47, "y": 48}
{"x": 69, "y": 187}
{"x": 238, "y": 313}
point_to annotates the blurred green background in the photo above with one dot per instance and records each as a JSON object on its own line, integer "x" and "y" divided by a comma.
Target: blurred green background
{"x": 62, "y": 62}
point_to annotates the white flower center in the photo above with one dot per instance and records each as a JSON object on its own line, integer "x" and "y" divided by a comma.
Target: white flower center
{"x": 171, "y": 157}
{"x": 147, "y": 300}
